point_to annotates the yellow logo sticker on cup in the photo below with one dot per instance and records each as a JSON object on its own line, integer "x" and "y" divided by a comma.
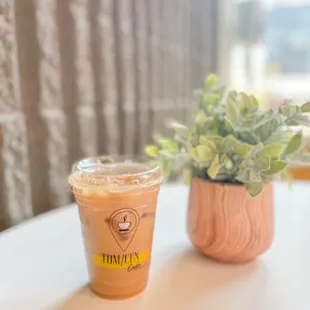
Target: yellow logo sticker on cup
{"x": 129, "y": 261}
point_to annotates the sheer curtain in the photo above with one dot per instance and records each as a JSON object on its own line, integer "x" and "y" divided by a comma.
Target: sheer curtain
{"x": 81, "y": 77}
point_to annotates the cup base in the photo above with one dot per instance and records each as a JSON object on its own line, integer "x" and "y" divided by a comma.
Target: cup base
{"x": 116, "y": 297}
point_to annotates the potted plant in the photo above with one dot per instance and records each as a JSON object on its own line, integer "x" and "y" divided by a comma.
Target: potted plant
{"x": 231, "y": 151}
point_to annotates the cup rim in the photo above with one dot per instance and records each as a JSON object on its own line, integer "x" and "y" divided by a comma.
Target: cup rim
{"x": 90, "y": 171}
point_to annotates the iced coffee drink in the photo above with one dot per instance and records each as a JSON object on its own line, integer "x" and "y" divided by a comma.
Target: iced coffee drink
{"x": 117, "y": 200}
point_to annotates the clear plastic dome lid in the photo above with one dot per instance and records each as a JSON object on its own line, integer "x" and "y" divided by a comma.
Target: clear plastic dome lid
{"x": 114, "y": 172}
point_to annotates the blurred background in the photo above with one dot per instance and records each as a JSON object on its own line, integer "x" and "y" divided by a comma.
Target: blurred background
{"x": 86, "y": 77}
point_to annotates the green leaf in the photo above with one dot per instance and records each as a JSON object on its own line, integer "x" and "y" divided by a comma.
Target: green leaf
{"x": 217, "y": 140}
{"x": 233, "y": 94}
{"x": 294, "y": 144}
{"x": 265, "y": 119}
{"x": 291, "y": 122}
{"x": 223, "y": 158}
{"x": 211, "y": 98}
{"x": 214, "y": 168}
{"x": 285, "y": 108}
{"x": 193, "y": 139}
{"x": 302, "y": 120}
{"x": 166, "y": 153}
{"x": 248, "y": 175}
{"x": 281, "y": 137}
{"x": 245, "y": 99}
{"x": 248, "y": 162}
{"x": 244, "y": 149}
{"x": 262, "y": 163}
{"x": 272, "y": 150}
{"x": 255, "y": 104}
{"x": 305, "y": 107}
{"x": 210, "y": 80}
{"x": 203, "y": 140}
{"x": 232, "y": 145}
{"x": 276, "y": 167}
{"x": 167, "y": 144}
{"x": 152, "y": 150}
{"x": 248, "y": 136}
{"x": 204, "y": 153}
{"x": 267, "y": 126}
{"x": 232, "y": 108}
{"x": 289, "y": 110}
{"x": 285, "y": 175}
{"x": 243, "y": 176}
{"x": 228, "y": 163}
{"x": 200, "y": 116}
{"x": 248, "y": 104}
{"x": 206, "y": 128}
{"x": 254, "y": 176}
{"x": 220, "y": 91}
{"x": 180, "y": 129}
{"x": 193, "y": 153}
{"x": 254, "y": 188}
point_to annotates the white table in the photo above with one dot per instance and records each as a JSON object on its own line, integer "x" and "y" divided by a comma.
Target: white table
{"x": 42, "y": 264}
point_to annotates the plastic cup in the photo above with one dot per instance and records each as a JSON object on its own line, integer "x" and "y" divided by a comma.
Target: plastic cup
{"x": 117, "y": 199}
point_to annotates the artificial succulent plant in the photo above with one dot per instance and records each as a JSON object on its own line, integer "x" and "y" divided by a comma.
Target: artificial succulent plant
{"x": 230, "y": 139}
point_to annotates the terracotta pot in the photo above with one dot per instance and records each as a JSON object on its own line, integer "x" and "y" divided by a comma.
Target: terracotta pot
{"x": 226, "y": 224}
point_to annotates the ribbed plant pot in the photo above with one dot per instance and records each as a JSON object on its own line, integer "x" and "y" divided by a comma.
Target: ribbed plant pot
{"x": 228, "y": 225}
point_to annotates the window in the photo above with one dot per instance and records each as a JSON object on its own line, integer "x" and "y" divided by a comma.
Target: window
{"x": 271, "y": 50}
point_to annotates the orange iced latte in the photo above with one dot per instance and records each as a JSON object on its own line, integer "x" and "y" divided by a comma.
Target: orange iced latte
{"x": 117, "y": 200}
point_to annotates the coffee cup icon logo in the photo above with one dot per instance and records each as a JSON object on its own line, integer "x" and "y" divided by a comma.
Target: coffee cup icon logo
{"x": 125, "y": 225}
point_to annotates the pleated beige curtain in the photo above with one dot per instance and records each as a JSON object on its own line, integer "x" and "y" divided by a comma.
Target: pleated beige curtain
{"x": 86, "y": 77}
